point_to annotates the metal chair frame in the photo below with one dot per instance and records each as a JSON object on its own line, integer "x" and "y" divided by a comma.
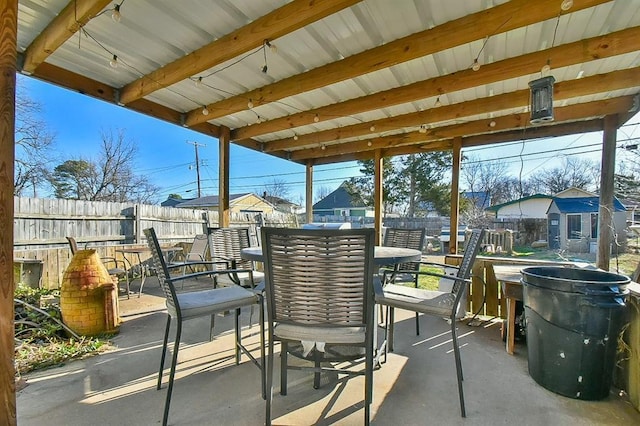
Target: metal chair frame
{"x": 201, "y": 303}
{"x": 307, "y": 271}
{"x": 435, "y": 303}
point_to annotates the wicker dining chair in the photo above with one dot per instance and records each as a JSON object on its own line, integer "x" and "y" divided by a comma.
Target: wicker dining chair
{"x": 404, "y": 238}
{"x": 196, "y": 254}
{"x": 225, "y": 244}
{"x": 188, "y": 305}
{"x": 319, "y": 291}
{"x": 435, "y": 303}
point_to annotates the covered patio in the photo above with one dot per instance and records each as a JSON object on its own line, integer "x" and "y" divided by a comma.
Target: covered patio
{"x": 327, "y": 81}
{"x": 416, "y": 386}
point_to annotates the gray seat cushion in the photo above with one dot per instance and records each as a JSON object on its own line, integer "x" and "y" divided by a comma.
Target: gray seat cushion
{"x": 417, "y": 300}
{"x": 345, "y": 335}
{"x": 243, "y": 277}
{"x": 199, "y": 303}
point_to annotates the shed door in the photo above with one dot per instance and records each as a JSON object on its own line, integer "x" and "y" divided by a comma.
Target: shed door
{"x": 554, "y": 230}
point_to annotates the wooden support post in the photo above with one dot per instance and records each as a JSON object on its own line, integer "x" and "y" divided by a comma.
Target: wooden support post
{"x": 605, "y": 212}
{"x": 8, "y": 37}
{"x": 309, "y": 192}
{"x": 224, "y": 214}
{"x": 378, "y": 192}
{"x": 455, "y": 195}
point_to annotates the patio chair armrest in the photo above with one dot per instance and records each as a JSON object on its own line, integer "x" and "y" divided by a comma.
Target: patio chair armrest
{"x": 109, "y": 259}
{"x": 377, "y": 286}
{"x": 434, "y": 274}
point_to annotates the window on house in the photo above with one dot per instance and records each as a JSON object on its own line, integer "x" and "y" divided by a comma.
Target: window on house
{"x": 594, "y": 225}
{"x": 574, "y": 226}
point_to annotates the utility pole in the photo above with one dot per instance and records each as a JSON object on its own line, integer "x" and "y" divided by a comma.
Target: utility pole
{"x": 196, "y": 145}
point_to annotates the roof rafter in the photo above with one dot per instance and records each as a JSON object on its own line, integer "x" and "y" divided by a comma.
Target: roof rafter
{"x": 562, "y": 90}
{"x": 600, "y": 47}
{"x": 284, "y": 20}
{"x": 73, "y": 17}
{"x": 498, "y": 19}
{"x": 510, "y": 122}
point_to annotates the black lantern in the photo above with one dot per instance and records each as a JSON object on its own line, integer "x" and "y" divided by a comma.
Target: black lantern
{"x": 542, "y": 99}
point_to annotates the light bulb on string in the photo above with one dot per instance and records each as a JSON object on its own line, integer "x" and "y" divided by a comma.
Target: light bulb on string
{"x": 113, "y": 63}
{"x": 115, "y": 15}
{"x": 423, "y": 128}
{"x": 476, "y": 65}
{"x": 546, "y": 67}
{"x": 438, "y": 103}
{"x": 205, "y": 111}
{"x": 271, "y": 46}
{"x": 372, "y": 128}
{"x": 566, "y": 5}
{"x": 250, "y": 104}
{"x": 316, "y": 119}
{"x": 264, "y": 69}
{"x": 198, "y": 82}
{"x": 295, "y": 137}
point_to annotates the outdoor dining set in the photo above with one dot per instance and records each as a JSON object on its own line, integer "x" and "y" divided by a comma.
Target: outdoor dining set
{"x": 322, "y": 294}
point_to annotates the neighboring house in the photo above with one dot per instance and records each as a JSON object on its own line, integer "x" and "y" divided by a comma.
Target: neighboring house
{"x": 238, "y": 203}
{"x": 633, "y": 211}
{"x": 573, "y": 222}
{"x": 172, "y": 202}
{"x": 574, "y": 192}
{"x": 531, "y": 207}
{"x": 283, "y": 205}
{"x": 343, "y": 202}
{"x": 480, "y": 199}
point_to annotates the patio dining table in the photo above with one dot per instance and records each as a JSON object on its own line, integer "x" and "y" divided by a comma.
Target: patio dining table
{"x": 383, "y": 255}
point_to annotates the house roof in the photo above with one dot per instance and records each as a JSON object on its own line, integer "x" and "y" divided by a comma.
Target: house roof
{"x": 519, "y": 200}
{"x": 172, "y": 202}
{"x": 337, "y": 80}
{"x": 583, "y": 204}
{"x": 480, "y": 198}
{"x": 340, "y": 198}
{"x": 209, "y": 201}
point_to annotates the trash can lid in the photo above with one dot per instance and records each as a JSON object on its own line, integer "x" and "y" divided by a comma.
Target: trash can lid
{"x": 574, "y": 279}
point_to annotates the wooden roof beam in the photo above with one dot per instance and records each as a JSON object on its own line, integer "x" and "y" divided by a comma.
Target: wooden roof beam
{"x": 282, "y": 21}
{"x": 499, "y": 19}
{"x": 73, "y": 17}
{"x": 599, "y": 83}
{"x": 435, "y": 137}
{"x": 600, "y": 47}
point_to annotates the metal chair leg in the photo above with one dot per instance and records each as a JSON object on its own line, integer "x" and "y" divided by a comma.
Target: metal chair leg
{"x": 172, "y": 373}
{"x": 284, "y": 350}
{"x": 316, "y": 363}
{"x": 269, "y": 382}
{"x": 262, "y": 355}
{"x": 238, "y": 336}
{"x": 164, "y": 351}
{"x": 456, "y": 352}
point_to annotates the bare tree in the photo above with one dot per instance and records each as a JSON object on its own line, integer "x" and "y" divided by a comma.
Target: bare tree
{"x": 34, "y": 146}
{"x": 276, "y": 188}
{"x": 109, "y": 178}
{"x": 322, "y": 192}
{"x": 575, "y": 172}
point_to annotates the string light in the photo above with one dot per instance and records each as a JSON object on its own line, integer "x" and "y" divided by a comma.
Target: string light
{"x": 205, "y": 111}
{"x": 271, "y": 46}
{"x": 295, "y": 137}
{"x": 372, "y": 128}
{"x": 259, "y": 120}
{"x": 115, "y": 15}
{"x": 546, "y": 67}
{"x": 423, "y": 128}
{"x": 369, "y": 143}
{"x": 316, "y": 118}
{"x": 438, "y": 103}
{"x": 250, "y": 104}
{"x": 265, "y": 68}
{"x": 566, "y": 5}
{"x": 198, "y": 82}
{"x": 492, "y": 124}
{"x": 114, "y": 62}
{"x": 323, "y": 147}
{"x": 476, "y": 65}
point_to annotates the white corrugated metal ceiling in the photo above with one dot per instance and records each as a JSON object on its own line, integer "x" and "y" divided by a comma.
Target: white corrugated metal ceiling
{"x": 348, "y": 77}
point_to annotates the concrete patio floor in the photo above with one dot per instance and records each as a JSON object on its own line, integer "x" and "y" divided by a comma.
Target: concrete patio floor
{"x": 417, "y": 386}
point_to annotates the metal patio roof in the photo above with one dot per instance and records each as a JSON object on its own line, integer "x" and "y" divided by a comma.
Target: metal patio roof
{"x": 343, "y": 78}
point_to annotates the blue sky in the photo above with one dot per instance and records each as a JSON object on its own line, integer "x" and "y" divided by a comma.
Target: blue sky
{"x": 166, "y": 158}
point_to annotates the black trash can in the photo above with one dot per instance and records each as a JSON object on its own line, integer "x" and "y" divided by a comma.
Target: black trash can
{"x": 573, "y": 319}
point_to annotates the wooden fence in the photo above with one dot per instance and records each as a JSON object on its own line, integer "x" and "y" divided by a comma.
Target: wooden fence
{"x": 41, "y": 225}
